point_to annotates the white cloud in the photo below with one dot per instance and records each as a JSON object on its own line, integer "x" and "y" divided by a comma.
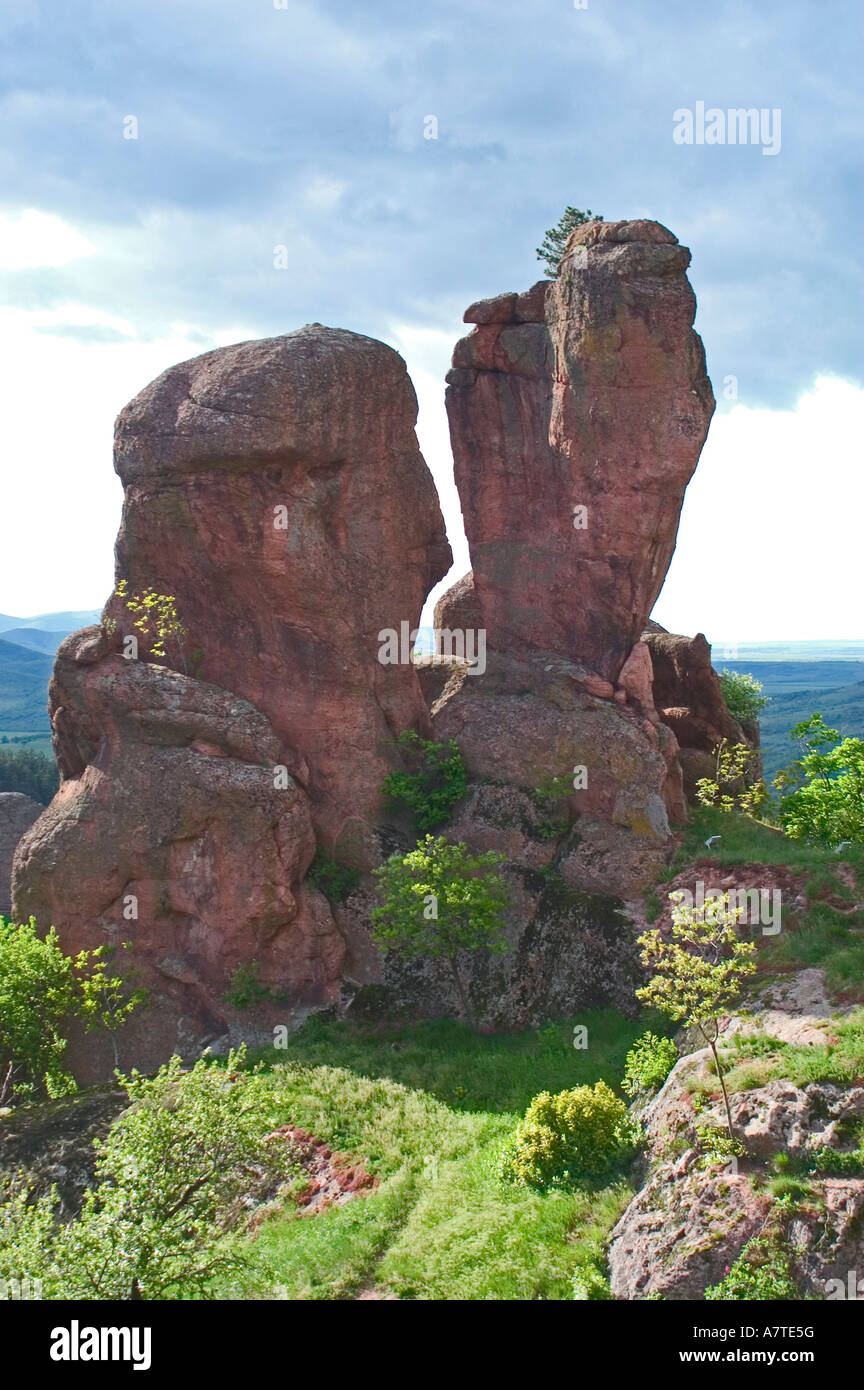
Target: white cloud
{"x": 31, "y": 239}
{"x": 770, "y": 541}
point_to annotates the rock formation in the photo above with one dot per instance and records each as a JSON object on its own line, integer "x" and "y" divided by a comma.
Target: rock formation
{"x": 577, "y": 414}
{"x": 276, "y": 498}
{"x": 689, "y": 700}
{"x": 275, "y": 491}
{"x": 17, "y": 814}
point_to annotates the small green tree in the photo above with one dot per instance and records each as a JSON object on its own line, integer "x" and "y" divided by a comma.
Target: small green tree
{"x": 698, "y": 970}
{"x": 155, "y": 618}
{"x": 41, "y": 990}
{"x": 648, "y": 1063}
{"x": 733, "y": 786}
{"x": 172, "y": 1176}
{"x": 440, "y": 900}
{"x": 827, "y": 803}
{"x": 743, "y": 695}
{"x": 551, "y": 249}
{"x": 434, "y": 782}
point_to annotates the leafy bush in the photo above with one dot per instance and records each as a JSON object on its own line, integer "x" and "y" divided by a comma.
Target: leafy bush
{"x": 25, "y": 770}
{"x": 246, "y": 990}
{"x": 743, "y": 695}
{"x": 336, "y": 881}
{"x": 761, "y": 1272}
{"x": 733, "y": 786}
{"x": 41, "y": 990}
{"x": 439, "y": 901}
{"x": 566, "y": 1138}
{"x": 827, "y": 805}
{"x": 649, "y": 1062}
{"x": 172, "y": 1178}
{"x": 435, "y": 784}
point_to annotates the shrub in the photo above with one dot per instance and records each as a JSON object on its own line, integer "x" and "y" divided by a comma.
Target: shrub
{"x": 336, "y": 881}
{"x": 41, "y": 989}
{"x": 246, "y": 990}
{"x": 433, "y": 785}
{"x": 743, "y": 695}
{"x": 761, "y": 1272}
{"x": 566, "y": 1138}
{"x": 733, "y": 786}
{"x": 827, "y": 805}
{"x": 172, "y": 1180}
{"x": 439, "y": 901}
{"x": 648, "y": 1063}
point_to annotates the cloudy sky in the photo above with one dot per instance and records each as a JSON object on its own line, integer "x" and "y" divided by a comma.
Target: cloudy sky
{"x": 259, "y": 125}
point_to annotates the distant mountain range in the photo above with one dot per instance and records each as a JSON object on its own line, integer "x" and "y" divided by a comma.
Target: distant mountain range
{"x": 27, "y": 647}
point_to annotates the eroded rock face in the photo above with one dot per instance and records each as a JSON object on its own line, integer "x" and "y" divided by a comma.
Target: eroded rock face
{"x": 17, "y": 814}
{"x": 587, "y": 392}
{"x": 277, "y": 490}
{"x": 693, "y": 1216}
{"x": 689, "y": 700}
{"x": 170, "y": 832}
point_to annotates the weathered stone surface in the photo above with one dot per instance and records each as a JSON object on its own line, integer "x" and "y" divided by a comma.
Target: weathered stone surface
{"x": 17, "y": 814}
{"x": 169, "y": 832}
{"x": 690, "y": 702}
{"x": 320, "y": 423}
{"x": 526, "y": 721}
{"x": 693, "y": 1216}
{"x": 604, "y": 405}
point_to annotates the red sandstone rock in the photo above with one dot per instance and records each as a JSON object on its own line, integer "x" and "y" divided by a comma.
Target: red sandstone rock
{"x": 604, "y": 405}
{"x": 320, "y": 423}
{"x": 690, "y": 701}
{"x": 169, "y": 831}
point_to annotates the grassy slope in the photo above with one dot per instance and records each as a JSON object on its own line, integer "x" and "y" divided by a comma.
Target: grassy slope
{"x": 428, "y": 1107}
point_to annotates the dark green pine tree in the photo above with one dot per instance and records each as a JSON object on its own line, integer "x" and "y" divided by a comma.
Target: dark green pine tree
{"x": 552, "y": 246}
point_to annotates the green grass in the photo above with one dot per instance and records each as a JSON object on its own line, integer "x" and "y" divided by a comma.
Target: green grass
{"x": 747, "y": 841}
{"x": 427, "y": 1109}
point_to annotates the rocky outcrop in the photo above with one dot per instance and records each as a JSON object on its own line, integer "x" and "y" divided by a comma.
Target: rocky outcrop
{"x": 275, "y": 493}
{"x": 276, "y": 488}
{"x": 695, "y": 1212}
{"x": 17, "y": 814}
{"x": 689, "y": 700}
{"x": 577, "y": 414}
{"x": 176, "y": 829}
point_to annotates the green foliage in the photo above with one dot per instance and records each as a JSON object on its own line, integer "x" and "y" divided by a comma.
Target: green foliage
{"x": 171, "y": 1178}
{"x": 567, "y": 1138}
{"x": 246, "y": 990}
{"x": 698, "y": 970}
{"x": 733, "y": 787}
{"x": 761, "y": 1272}
{"x": 25, "y": 770}
{"x": 827, "y": 803}
{"x": 551, "y": 249}
{"x": 41, "y": 990}
{"x": 155, "y": 618}
{"x": 433, "y": 785}
{"x": 649, "y": 1062}
{"x": 336, "y": 881}
{"x": 551, "y": 798}
{"x": 440, "y": 900}
{"x": 743, "y": 695}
